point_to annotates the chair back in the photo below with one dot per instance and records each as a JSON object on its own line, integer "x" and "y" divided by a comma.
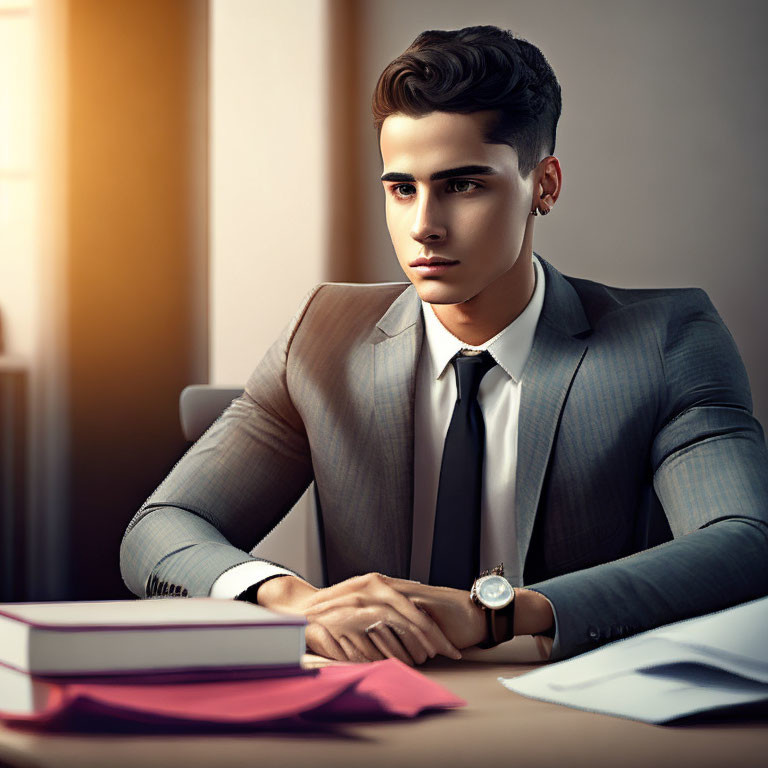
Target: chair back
{"x": 200, "y": 405}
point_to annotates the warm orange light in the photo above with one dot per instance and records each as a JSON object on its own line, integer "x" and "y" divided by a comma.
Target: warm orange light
{"x": 18, "y": 142}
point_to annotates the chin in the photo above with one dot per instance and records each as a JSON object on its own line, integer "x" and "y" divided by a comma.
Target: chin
{"x": 434, "y": 292}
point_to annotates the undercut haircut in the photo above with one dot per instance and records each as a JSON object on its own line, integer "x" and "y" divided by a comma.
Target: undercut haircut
{"x": 474, "y": 69}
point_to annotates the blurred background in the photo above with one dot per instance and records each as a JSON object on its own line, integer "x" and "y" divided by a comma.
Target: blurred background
{"x": 176, "y": 174}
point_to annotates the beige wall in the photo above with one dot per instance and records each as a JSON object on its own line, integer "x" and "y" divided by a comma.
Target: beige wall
{"x": 660, "y": 141}
{"x": 268, "y": 138}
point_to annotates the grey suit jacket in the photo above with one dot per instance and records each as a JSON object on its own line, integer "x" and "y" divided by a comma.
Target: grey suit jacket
{"x": 635, "y": 430}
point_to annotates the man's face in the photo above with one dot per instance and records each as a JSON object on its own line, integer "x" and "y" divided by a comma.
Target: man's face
{"x": 457, "y": 208}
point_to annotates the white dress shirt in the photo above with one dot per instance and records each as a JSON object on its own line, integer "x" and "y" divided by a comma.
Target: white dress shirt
{"x": 499, "y": 399}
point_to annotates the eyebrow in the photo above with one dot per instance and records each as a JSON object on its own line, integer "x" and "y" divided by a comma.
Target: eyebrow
{"x": 464, "y": 170}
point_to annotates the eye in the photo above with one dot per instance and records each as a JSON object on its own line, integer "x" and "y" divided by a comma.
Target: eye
{"x": 403, "y": 190}
{"x": 463, "y": 185}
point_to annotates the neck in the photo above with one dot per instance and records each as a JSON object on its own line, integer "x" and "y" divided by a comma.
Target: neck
{"x": 480, "y": 318}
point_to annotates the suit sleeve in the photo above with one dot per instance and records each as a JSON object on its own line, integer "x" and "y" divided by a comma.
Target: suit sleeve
{"x": 710, "y": 473}
{"x": 228, "y": 491}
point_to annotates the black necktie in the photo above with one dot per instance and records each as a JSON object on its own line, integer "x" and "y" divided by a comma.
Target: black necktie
{"x": 456, "y": 542}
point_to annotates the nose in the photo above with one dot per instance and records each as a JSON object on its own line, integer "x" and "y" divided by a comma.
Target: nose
{"x": 427, "y": 224}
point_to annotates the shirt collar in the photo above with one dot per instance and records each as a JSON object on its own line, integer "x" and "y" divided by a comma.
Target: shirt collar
{"x": 510, "y": 347}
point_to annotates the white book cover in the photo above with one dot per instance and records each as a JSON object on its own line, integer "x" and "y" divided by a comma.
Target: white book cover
{"x": 159, "y": 634}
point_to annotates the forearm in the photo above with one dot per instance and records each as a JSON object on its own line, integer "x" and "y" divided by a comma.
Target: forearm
{"x": 712, "y": 568}
{"x": 533, "y": 614}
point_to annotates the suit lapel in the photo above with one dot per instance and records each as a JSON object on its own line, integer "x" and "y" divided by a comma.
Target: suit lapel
{"x": 557, "y": 352}
{"x": 396, "y": 347}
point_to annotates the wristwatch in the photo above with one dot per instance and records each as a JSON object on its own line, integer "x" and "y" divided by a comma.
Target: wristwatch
{"x": 496, "y": 596}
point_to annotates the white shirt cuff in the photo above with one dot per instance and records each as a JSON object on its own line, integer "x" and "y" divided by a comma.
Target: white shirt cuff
{"x": 236, "y": 580}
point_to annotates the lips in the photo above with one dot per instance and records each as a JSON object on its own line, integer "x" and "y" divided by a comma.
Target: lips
{"x": 434, "y": 261}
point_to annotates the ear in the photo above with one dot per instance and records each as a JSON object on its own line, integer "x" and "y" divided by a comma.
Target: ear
{"x": 548, "y": 181}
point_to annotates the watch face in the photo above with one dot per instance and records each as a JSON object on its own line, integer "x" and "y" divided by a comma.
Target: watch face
{"x": 494, "y": 592}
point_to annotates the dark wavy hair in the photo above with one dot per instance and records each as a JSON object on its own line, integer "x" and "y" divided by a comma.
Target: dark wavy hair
{"x": 473, "y": 69}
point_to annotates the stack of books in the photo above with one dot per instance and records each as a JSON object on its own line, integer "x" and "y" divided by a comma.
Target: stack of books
{"x": 191, "y": 661}
{"x": 44, "y": 646}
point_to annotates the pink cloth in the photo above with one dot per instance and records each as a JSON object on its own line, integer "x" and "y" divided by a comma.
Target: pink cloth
{"x": 339, "y": 692}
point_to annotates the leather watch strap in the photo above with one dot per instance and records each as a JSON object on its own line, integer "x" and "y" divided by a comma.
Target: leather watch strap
{"x": 503, "y": 624}
{"x": 489, "y": 622}
{"x": 499, "y": 626}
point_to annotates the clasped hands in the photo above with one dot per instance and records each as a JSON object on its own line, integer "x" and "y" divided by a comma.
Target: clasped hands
{"x": 372, "y": 617}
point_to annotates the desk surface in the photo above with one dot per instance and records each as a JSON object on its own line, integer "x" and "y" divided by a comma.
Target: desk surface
{"x": 497, "y": 726}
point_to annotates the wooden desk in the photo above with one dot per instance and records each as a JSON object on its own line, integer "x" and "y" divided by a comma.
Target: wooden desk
{"x": 497, "y": 728}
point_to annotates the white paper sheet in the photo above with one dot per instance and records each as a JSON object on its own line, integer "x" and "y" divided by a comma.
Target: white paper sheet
{"x": 692, "y": 666}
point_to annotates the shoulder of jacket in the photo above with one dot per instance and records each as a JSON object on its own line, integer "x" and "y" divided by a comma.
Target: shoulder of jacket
{"x": 328, "y": 302}
{"x": 346, "y": 297}
{"x": 605, "y": 301}
{"x": 363, "y": 289}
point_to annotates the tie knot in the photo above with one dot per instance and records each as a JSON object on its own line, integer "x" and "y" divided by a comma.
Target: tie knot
{"x": 470, "y": 370}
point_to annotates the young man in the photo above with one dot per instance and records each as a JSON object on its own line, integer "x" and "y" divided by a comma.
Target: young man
{"x": 490, "y": 411}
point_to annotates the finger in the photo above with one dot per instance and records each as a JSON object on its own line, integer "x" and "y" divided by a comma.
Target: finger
{"x": 410, "y": 641}
{"x": 403, "y": 585}
{"x": 381, "y": 635}
{"x": 353, "y": 653}
{"x": 320, "y": 641}
{"x": 341, "y": 601}
{"x": 343, "y": 635}
{"x": 364, "y": 647}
